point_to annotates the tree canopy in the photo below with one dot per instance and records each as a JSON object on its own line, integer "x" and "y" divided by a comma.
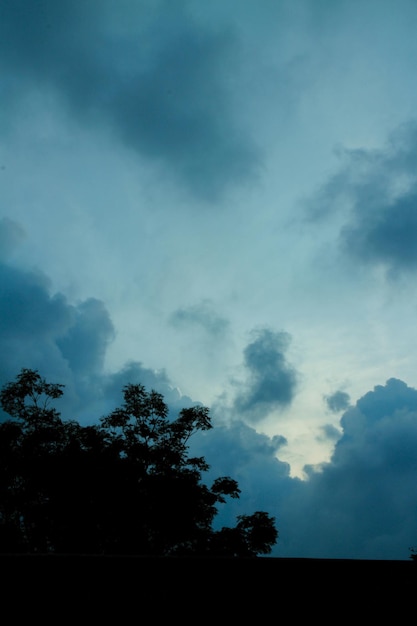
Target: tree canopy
{"x": 125, "y": 485}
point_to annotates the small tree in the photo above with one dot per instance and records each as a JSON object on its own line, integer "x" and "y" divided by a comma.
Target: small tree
{"x": 125, "y": 485}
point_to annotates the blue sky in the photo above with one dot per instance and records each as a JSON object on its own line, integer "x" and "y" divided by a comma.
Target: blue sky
{"x": 218, "y": 200}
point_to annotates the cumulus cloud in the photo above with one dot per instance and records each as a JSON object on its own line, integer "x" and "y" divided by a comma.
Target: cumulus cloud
{"x": 41, "y": 330}
{"x": 272, "y": 381}
{"x": 153, "y": 76}
{"x": 363, "y": 503}
{"x": 376, "y": 192}
{"x": 379, "y": 405}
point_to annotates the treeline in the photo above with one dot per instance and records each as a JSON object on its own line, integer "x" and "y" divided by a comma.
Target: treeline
{"x": 125, "y": 485}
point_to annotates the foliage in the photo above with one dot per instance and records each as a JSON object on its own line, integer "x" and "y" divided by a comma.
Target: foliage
{"x": 123, "y": 486}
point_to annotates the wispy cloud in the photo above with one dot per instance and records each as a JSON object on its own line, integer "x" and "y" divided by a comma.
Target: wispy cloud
{"x": 200, "y": 315}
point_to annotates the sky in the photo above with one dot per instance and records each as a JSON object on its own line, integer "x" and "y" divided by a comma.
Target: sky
{"x": 219, "y": 201}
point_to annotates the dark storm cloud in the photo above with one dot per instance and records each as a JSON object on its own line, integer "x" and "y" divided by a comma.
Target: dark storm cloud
{"x": 200, "y": 315}
{"x": 338, "y": 401}
{"x": 377, "y": 191}
{"x": 272, "y": 381}
{"x": 153, "y": 76}
{"x": 363, "y": 503}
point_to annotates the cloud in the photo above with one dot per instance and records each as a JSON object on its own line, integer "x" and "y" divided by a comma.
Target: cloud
{"x": 363, "y": 503}
{"x": 134, "y": 372}
{"x": 387, "y": 236}
{"x": 42, "y": 330}
{"x": 376, "y": 193}
{"x": 328, "y": 432}
{"x": 377, "y": 405}
{"x": 237, "y": 450}
{"x": 338, "y": 401}
{"x": 360, "y": 504}
{"x": 201, "y": 316}
{"x": 67, "y": 343}
{"x": 155, "y": 78}
{"x": 111, "y": 111}
{"x": 272, "y": 381}
{"x": 27, "y": 309}
{"x": 85, "y": 344}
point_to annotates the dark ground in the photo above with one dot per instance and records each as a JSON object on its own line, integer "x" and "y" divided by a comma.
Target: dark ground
{"x": 84, "y": 589}
{"x": 205, "y": 575}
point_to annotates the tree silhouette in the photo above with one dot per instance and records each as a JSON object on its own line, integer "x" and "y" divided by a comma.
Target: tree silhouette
{"x": 123, "y": 486}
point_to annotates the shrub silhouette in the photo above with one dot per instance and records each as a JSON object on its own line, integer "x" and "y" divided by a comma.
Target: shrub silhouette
{"x": 123, "y": 486}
